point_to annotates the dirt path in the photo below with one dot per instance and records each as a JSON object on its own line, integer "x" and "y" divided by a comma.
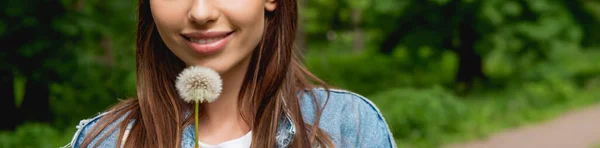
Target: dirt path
{"x": 577, "y": 129}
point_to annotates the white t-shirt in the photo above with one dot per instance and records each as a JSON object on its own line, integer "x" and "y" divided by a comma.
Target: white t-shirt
{"x": 242, "y": 142}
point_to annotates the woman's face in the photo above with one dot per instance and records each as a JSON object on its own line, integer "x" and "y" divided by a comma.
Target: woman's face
{"x": 219, "y": 34}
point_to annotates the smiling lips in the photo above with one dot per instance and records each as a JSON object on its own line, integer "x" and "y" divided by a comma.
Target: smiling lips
{"x": 207, "y": 42}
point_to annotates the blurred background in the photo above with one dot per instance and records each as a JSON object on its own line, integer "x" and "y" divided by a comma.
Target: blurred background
{"x": 441, "y": 71}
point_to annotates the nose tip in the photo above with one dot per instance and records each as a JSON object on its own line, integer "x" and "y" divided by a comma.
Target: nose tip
{"x": 202, "y": 12}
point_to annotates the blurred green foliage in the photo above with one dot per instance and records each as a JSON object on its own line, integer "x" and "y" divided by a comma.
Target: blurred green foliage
{"x": 35, "y": 135}
{"x": 525, "y": 61}
{"x": 430, "y": 117}
{"x": 422, "y": 114}
{"x": 440, "y": 70}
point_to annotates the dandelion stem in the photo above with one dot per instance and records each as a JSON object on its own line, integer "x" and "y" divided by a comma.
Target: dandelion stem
{"x": 196, "y": 122}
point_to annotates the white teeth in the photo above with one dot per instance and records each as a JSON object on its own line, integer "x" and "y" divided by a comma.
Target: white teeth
{"x": 206, "y": 40}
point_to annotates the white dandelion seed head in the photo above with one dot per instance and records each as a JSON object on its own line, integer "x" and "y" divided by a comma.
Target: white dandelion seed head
{"x": 198, "y": 84}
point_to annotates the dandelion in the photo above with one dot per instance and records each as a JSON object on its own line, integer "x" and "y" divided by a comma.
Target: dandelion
{"x": 198, "y": 84}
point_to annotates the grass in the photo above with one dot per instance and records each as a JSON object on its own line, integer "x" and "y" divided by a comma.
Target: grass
{"x": 483, "y": 115}
{"x": 36, "y": 135}
{"x": 516, "y": 119}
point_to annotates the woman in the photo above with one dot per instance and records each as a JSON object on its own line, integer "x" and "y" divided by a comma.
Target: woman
{"x": 267, "y": 98}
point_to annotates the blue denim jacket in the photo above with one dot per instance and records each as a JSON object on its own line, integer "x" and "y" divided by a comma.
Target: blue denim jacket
{"x": 349, "y": 119}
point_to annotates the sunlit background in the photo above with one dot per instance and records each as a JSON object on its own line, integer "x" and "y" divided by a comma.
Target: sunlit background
{"x": 441, "y": 71}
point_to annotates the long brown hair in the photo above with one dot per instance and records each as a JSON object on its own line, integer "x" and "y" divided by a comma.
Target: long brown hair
{"x": 275, "y": 76}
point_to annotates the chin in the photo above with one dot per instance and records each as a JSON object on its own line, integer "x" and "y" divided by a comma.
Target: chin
{"x": 219, "y": 66}
{"x": 223, "y": 63}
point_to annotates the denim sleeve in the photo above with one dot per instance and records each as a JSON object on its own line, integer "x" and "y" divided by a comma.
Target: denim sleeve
{"x": 82, "y": 129}
{"x": 86, "y": 125}
{"x": 349, "y": 119}
{"x": 373, "y": 130}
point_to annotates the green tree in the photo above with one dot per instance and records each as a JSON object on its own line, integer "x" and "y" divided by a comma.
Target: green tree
{"x": 33, "y": 48}
{"x": 496, "y": 42}
{"x": 71, "y": 55}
